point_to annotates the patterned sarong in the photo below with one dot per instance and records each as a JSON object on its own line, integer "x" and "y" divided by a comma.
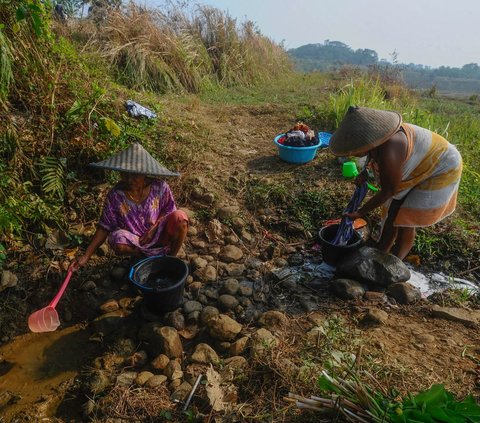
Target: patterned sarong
{"x": 127, "y": 221}
{"x": 430, "y": 179}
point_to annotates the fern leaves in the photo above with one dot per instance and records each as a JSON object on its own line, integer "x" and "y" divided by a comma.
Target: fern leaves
{"x": 52, "y": 171}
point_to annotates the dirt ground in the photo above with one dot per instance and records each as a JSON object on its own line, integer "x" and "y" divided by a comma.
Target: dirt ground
{"x": 40, "y": 373}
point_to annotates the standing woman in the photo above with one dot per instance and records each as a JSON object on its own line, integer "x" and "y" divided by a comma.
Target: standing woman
{"x": 419, "y": 173}
{"x": 139, "y": 215}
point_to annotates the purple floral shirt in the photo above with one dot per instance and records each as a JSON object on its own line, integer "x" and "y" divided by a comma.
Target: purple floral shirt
{"x": 119, "y": 212}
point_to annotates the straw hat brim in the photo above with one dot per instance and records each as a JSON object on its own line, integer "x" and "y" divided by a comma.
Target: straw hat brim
{"x": 364, "y": 129}
{"x": 135, "y": 159}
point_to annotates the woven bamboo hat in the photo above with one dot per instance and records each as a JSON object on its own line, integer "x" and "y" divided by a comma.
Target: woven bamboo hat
{"x": 135, "y": 159}
{"x": 362, "y": 129}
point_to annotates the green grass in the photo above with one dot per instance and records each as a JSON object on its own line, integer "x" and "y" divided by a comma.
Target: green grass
{"x": 294, "y": 199}
{"x": 311, "y": 207}
{"x": 362, "y": 92}
{"x": 428, "y": 243}
{"x": 292, "y": 90}
{"x": 263, "y": 194}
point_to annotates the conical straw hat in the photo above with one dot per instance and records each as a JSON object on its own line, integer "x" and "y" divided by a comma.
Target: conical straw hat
{"x": 362, "y": 129}
{"x": 135, "y": 159}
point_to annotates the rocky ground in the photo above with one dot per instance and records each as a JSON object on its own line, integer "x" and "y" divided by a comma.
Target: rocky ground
{"x": 257, "y": 319}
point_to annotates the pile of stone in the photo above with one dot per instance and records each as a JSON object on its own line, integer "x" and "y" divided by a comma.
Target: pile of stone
{"x": 369, "y": 271}
{"x": 164, "y": 356}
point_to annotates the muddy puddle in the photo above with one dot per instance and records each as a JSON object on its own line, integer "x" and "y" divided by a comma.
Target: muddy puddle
{"x": 37, "y": 368}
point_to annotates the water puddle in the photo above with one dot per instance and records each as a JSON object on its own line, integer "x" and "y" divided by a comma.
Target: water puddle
{"x": 35, "y": 365}
{"x": 435, "y": 282}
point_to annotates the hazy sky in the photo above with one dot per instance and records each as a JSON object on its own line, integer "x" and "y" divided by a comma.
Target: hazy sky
{"x": 428, "y": 32}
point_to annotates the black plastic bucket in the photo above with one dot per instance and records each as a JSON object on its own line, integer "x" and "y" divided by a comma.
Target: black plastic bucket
{"x": 332, "y": 253}
{"x": 161, "y": 279}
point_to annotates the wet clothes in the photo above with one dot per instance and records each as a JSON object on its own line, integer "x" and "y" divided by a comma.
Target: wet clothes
{"x": 298, "y": 139}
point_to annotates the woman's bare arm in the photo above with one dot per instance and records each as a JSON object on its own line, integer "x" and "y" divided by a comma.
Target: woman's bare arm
{"x": 390, "y": 157}
{"x": 98, "y": 239}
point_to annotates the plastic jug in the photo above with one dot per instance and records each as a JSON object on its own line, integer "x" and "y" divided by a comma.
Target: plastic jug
{"x": 349, "y": 170}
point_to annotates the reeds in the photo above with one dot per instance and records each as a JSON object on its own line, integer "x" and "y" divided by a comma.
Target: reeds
{"x": 172, "y": 51}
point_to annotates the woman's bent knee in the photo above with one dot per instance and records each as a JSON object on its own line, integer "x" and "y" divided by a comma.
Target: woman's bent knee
{"x": 177, "y": 223}
{"x": 122, "y": 248}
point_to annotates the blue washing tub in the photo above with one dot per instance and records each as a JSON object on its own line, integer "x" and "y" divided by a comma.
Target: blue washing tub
{"x": 295, "y": 154}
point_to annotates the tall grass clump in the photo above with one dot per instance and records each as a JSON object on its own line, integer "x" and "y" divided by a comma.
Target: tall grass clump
{"x": 363, "y": 92}
{"x": 176, "y": 50}
{"x": 240, "y": 55}
{"x": 26, "y": 68}
{"x": 147, "y": 53}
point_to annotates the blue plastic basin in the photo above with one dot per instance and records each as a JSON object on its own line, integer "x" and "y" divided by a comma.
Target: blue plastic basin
{"x": 295, "y": 154}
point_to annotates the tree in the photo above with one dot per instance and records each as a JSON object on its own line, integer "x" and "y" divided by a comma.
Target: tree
{"x": 471, "y": 70}
{"x": 366, "y": 56}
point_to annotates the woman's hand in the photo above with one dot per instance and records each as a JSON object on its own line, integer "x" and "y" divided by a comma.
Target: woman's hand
{"x": 147, "y": 237}
{"x": 78, "y": 262}
{"x": 361, "y": 178}
{"x": 354, "y": 215}
{"x": 98, "y": 239}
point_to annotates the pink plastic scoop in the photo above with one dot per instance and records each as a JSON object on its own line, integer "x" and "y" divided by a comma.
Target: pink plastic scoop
{"x": 46, "y": 319}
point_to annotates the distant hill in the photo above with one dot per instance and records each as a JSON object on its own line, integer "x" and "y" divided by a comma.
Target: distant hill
{"x": 332, "y": 55}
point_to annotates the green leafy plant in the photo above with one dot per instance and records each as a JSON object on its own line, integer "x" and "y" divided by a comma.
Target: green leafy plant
{"x": 3, "y": 255}
{"x": 190, "y": 416}
{"x": 9, "y": 221}
{"x": 9, "y": 143}
{"x": 436, "y": 405}
{"x": 24, "y": 209}
{"x": 34, "y": 13}
{"x": 76, "y": 111}
{"x": 358, "y": 402}
{"x": 52, "y": 170}
{"x": 167, "y": 415}
{"x": 112, "y": 127}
